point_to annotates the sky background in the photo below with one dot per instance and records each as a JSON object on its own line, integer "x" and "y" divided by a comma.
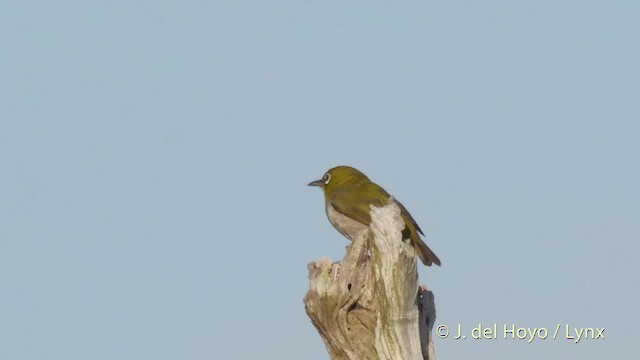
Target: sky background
{"x": 155, "y": 156}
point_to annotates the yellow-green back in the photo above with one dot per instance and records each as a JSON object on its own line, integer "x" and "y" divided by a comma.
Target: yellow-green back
{"x": 350, "y": 193}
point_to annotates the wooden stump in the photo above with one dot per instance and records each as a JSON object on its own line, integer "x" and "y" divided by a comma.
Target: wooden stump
{"x": 366, "y": 306}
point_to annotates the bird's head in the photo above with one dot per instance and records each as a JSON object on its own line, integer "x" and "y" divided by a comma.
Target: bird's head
{"x": 339, "y": 176}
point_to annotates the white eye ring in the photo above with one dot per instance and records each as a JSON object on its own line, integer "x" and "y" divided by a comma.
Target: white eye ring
{"x": 327, "y": 178}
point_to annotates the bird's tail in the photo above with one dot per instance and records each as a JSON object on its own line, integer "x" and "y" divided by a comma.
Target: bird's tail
{"x": 427, "y": 256}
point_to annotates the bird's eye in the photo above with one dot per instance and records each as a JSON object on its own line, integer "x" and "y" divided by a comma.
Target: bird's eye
{"x": 326, "y": 178}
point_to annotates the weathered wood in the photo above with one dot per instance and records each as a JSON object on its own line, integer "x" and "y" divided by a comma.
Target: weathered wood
{"x": 427, "y": 310}
{"x": 366, "y": 306}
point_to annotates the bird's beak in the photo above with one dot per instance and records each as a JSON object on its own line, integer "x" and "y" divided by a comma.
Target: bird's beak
{"x": 316, "y": 183}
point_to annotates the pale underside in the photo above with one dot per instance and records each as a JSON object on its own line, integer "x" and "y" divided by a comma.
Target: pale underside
{"x": 345, "y": 225}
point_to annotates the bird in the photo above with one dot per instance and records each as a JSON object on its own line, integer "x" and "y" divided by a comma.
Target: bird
{"x": 348, "y": 194}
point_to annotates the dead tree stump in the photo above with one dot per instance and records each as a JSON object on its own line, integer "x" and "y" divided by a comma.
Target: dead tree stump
{"x": 366, "y": 306}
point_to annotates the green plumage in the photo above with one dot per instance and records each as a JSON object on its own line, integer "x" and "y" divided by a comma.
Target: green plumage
{"x": 349, "y": 192}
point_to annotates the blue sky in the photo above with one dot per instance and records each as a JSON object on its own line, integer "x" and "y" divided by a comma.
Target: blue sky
{"x": 155, "y": 159}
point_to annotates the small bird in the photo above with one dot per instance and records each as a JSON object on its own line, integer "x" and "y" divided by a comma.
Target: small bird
{"x": 348, "y": 194}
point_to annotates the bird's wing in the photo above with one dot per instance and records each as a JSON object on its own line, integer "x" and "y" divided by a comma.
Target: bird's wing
{"x": 355, "y": 204}
{"x": 404, "y": 211}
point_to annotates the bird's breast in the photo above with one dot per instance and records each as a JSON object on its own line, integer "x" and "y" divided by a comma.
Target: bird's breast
{"x": 344, "y": 224}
